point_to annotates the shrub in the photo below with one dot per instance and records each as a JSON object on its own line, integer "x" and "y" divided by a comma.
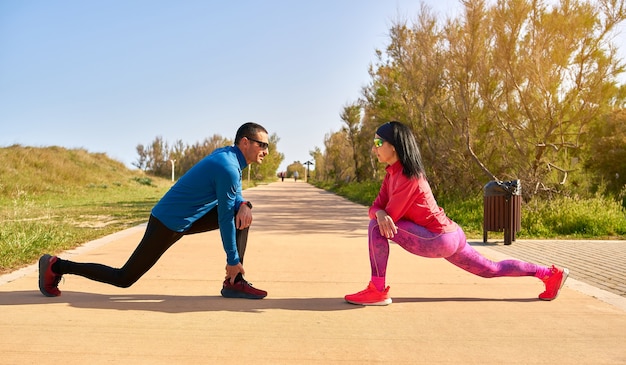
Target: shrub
{"x": 560, "y": 217}
{"x": 565, "y": 216}
{"x": 143, "y": 180}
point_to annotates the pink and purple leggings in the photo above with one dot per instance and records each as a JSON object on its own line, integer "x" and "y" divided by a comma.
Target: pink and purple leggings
{"x": 452, "y": 246}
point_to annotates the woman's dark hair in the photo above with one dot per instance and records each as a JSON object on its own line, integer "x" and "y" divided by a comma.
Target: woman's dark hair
{"x": 407, "y": 149}
{"x": 249, "y": 129}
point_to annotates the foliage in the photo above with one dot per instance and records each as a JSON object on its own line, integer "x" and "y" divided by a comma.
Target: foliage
{"x": 334, "y": 162}
{"x": 157, "y": 158}
{"x": 143, "y": 180}
{"x": 506, "y": 90}
{"x": 597, "y": 217}
{"x": 562, "y": 217}
{"x": 607, "y": 154}
{"x": 466, "y": 210}
{"x": 267, "y": 170}
{"x": 351, "y": 116}
{"x": 294, "y": 167}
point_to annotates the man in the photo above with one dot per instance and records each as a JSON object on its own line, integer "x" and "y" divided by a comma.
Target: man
{"x": 207, "y": 197}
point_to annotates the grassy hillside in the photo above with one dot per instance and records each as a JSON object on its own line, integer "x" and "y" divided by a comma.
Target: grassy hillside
{"x": 52, "y": 199}
{"x": 56, "y": 169}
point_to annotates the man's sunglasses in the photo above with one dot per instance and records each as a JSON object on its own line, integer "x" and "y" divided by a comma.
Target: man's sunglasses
{"x": 378, "y": 142}
{"x": 263, "y": 145}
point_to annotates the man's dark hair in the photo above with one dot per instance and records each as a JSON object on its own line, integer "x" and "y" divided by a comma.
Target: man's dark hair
{"x": 249, "y": 129}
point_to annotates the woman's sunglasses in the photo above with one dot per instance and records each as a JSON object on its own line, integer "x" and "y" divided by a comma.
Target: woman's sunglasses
{"x": 378, "y": 142}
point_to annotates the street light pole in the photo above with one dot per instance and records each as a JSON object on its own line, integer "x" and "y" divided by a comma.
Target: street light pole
{"x": 308, "y": 164}
{"x": 172, "y": 161}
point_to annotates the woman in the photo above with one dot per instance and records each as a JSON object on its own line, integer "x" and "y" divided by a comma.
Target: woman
{"x": 405, "y": 211}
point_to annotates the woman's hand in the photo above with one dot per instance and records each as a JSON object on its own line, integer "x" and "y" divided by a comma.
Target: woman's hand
{"x": 386, "y": 225}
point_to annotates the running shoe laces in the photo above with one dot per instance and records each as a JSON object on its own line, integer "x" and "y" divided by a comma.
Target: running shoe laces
{"x": 554, "y": 282}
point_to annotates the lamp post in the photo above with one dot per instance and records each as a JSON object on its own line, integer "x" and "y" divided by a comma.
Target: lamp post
{"x": 308, "y": 163}
{"x": 172, "y": 161}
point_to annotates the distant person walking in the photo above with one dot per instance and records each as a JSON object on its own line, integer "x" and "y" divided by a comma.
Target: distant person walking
{"x": 206, "y": 198}
{"x": 405, "y": 211}
{"x": 295, "y": 176}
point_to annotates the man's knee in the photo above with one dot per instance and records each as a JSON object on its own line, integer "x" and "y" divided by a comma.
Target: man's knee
{"x": 125, "y": 281}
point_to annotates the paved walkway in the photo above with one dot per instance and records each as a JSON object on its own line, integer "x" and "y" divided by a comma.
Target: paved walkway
{"x": 308, "y": 248}
{"x": 598, "y": 263}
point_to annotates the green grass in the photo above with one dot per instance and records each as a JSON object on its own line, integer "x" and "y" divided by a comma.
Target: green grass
{"x": 598, "y": 217}
{"x": 560, "y": 218}
{"x": 53, "y": 199}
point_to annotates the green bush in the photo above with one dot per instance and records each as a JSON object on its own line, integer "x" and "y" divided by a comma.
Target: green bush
{"x": 467, "y": 212}
{"x": 143, "y": 180}
{"x": 561, "y": 217}
{"x": 585, "y": 218}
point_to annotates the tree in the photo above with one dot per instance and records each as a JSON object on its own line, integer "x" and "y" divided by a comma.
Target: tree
{"x": 504, "y": 91}
{"x": 555, "y": 77}
{"x": 199, "y": 150}
{"x": 336, "y": 166}
{"x": 607, "y": 155}
{"x": 155, "y": 159}
{"x": 142, "y": 159}
{"x": 271, "y": 162}
{"x": 318, "y": 158}
{"x": 408, "y": 85}
{"x": 298, "y": 167}
{"x": 351, "y": 116}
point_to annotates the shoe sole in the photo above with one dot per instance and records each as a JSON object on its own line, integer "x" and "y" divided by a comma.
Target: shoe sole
{"x": 44, "y": 262}
{"x": 381, "y": 303}
{"x": 565, "y": 275}
{"x": 227, "y": 293}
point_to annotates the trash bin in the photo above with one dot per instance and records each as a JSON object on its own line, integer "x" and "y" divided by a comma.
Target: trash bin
{"x": 502, "y": 209}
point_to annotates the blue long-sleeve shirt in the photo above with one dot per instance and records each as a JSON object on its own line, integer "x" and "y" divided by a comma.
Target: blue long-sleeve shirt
{"x": 214, "y": 181}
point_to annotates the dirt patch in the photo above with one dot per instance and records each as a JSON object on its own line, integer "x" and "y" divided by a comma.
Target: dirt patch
{"x": 94, "y": 221}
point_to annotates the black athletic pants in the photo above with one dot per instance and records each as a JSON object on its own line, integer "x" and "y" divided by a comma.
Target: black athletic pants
{"x": 156, "y": 240}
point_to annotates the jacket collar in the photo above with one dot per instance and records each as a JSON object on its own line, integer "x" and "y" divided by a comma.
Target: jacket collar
{"x": 395, "y": 168}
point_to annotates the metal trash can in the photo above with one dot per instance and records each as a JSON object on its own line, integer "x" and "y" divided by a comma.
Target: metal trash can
{"x": 502, "y": 209}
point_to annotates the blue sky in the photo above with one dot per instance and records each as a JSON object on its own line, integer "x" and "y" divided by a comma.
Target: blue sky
{"x": 109, "y": 75}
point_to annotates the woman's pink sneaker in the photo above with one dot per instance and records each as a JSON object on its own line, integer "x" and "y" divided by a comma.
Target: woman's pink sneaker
{"x": 370, "y": 296}
{"x": 554, "y": 282}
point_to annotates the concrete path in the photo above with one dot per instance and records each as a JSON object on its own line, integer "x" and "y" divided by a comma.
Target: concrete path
{"x": 308, "y": 248}
{"x": 595, "y": 262}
